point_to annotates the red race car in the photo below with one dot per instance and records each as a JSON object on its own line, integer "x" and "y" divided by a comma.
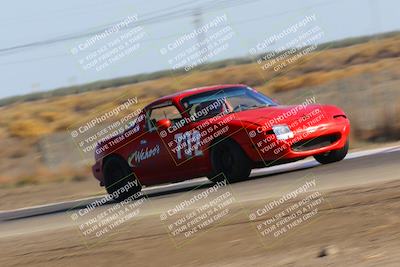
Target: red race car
{"x": 221, "y": 132}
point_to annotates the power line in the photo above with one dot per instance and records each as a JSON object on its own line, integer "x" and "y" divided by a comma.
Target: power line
{"x": 238, "y": 22}
{"x": 170, "y": 15}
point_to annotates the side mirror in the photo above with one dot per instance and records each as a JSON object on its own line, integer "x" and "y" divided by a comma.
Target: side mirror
{"x": 163, "y": 123}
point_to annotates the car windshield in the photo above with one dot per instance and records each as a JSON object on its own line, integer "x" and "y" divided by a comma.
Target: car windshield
{"x": 226, "y": 100}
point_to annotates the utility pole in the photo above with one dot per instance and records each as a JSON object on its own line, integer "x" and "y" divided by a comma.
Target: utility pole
{"x": 201, "y": 37}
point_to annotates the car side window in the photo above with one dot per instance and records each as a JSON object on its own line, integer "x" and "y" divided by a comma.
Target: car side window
{"x": 162, "y": 112}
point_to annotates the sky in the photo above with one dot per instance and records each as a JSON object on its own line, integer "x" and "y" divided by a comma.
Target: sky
{"x": 49, "y": 65}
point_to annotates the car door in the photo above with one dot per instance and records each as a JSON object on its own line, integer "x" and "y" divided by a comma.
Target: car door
{"x": 152, "y": 158}
{"x": 183, "y": 141}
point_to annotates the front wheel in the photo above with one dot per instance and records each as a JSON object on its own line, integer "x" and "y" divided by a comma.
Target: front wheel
{"x": 334, "y": 155}
{"x": 229, "y": 162}
{"x": 120, "y": 182}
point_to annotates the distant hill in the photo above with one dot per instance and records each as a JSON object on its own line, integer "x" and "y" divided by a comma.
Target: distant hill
{"x": 104, "y": 84}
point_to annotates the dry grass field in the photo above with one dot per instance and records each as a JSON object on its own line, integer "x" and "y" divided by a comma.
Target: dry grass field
{"x": 368, "y": 72}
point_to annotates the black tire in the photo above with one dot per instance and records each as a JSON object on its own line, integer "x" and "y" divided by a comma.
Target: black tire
{"x": 117, "y": 175}
{"x": 229, "y": 159}
{"x": 334, "y": 155}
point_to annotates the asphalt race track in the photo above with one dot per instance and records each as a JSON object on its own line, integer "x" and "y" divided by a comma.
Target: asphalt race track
{"x": 357, "y": 169}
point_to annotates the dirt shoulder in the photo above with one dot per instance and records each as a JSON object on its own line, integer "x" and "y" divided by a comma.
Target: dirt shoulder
{"x": 359, "y": 226}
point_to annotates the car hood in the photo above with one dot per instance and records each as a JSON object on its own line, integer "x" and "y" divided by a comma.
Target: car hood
{"x": 286, "y": 114}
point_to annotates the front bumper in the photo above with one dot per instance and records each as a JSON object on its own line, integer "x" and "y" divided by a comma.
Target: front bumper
{"x": 308, "y": 141}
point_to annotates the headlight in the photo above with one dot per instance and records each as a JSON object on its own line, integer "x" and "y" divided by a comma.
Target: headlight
{"x": 282, "y": 132}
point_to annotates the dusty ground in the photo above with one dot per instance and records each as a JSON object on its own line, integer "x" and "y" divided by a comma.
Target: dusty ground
{"x": 360, "y": 225}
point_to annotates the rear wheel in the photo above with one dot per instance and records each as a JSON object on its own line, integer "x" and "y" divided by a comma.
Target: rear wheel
{"x": 119, "y": 180}
{"x": 229, "y": 162}
{"x": 334, "y": 155}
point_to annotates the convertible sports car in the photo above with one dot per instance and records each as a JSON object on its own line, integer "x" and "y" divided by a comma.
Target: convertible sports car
{"x": 221, "y": 132}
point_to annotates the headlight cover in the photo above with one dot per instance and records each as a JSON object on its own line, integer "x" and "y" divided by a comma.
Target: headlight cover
{"x": 282, "y": 132}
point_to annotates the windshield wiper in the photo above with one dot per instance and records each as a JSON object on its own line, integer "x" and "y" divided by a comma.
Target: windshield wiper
{"x": 250, "y": 107}
{"x": 257, "y": 106}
